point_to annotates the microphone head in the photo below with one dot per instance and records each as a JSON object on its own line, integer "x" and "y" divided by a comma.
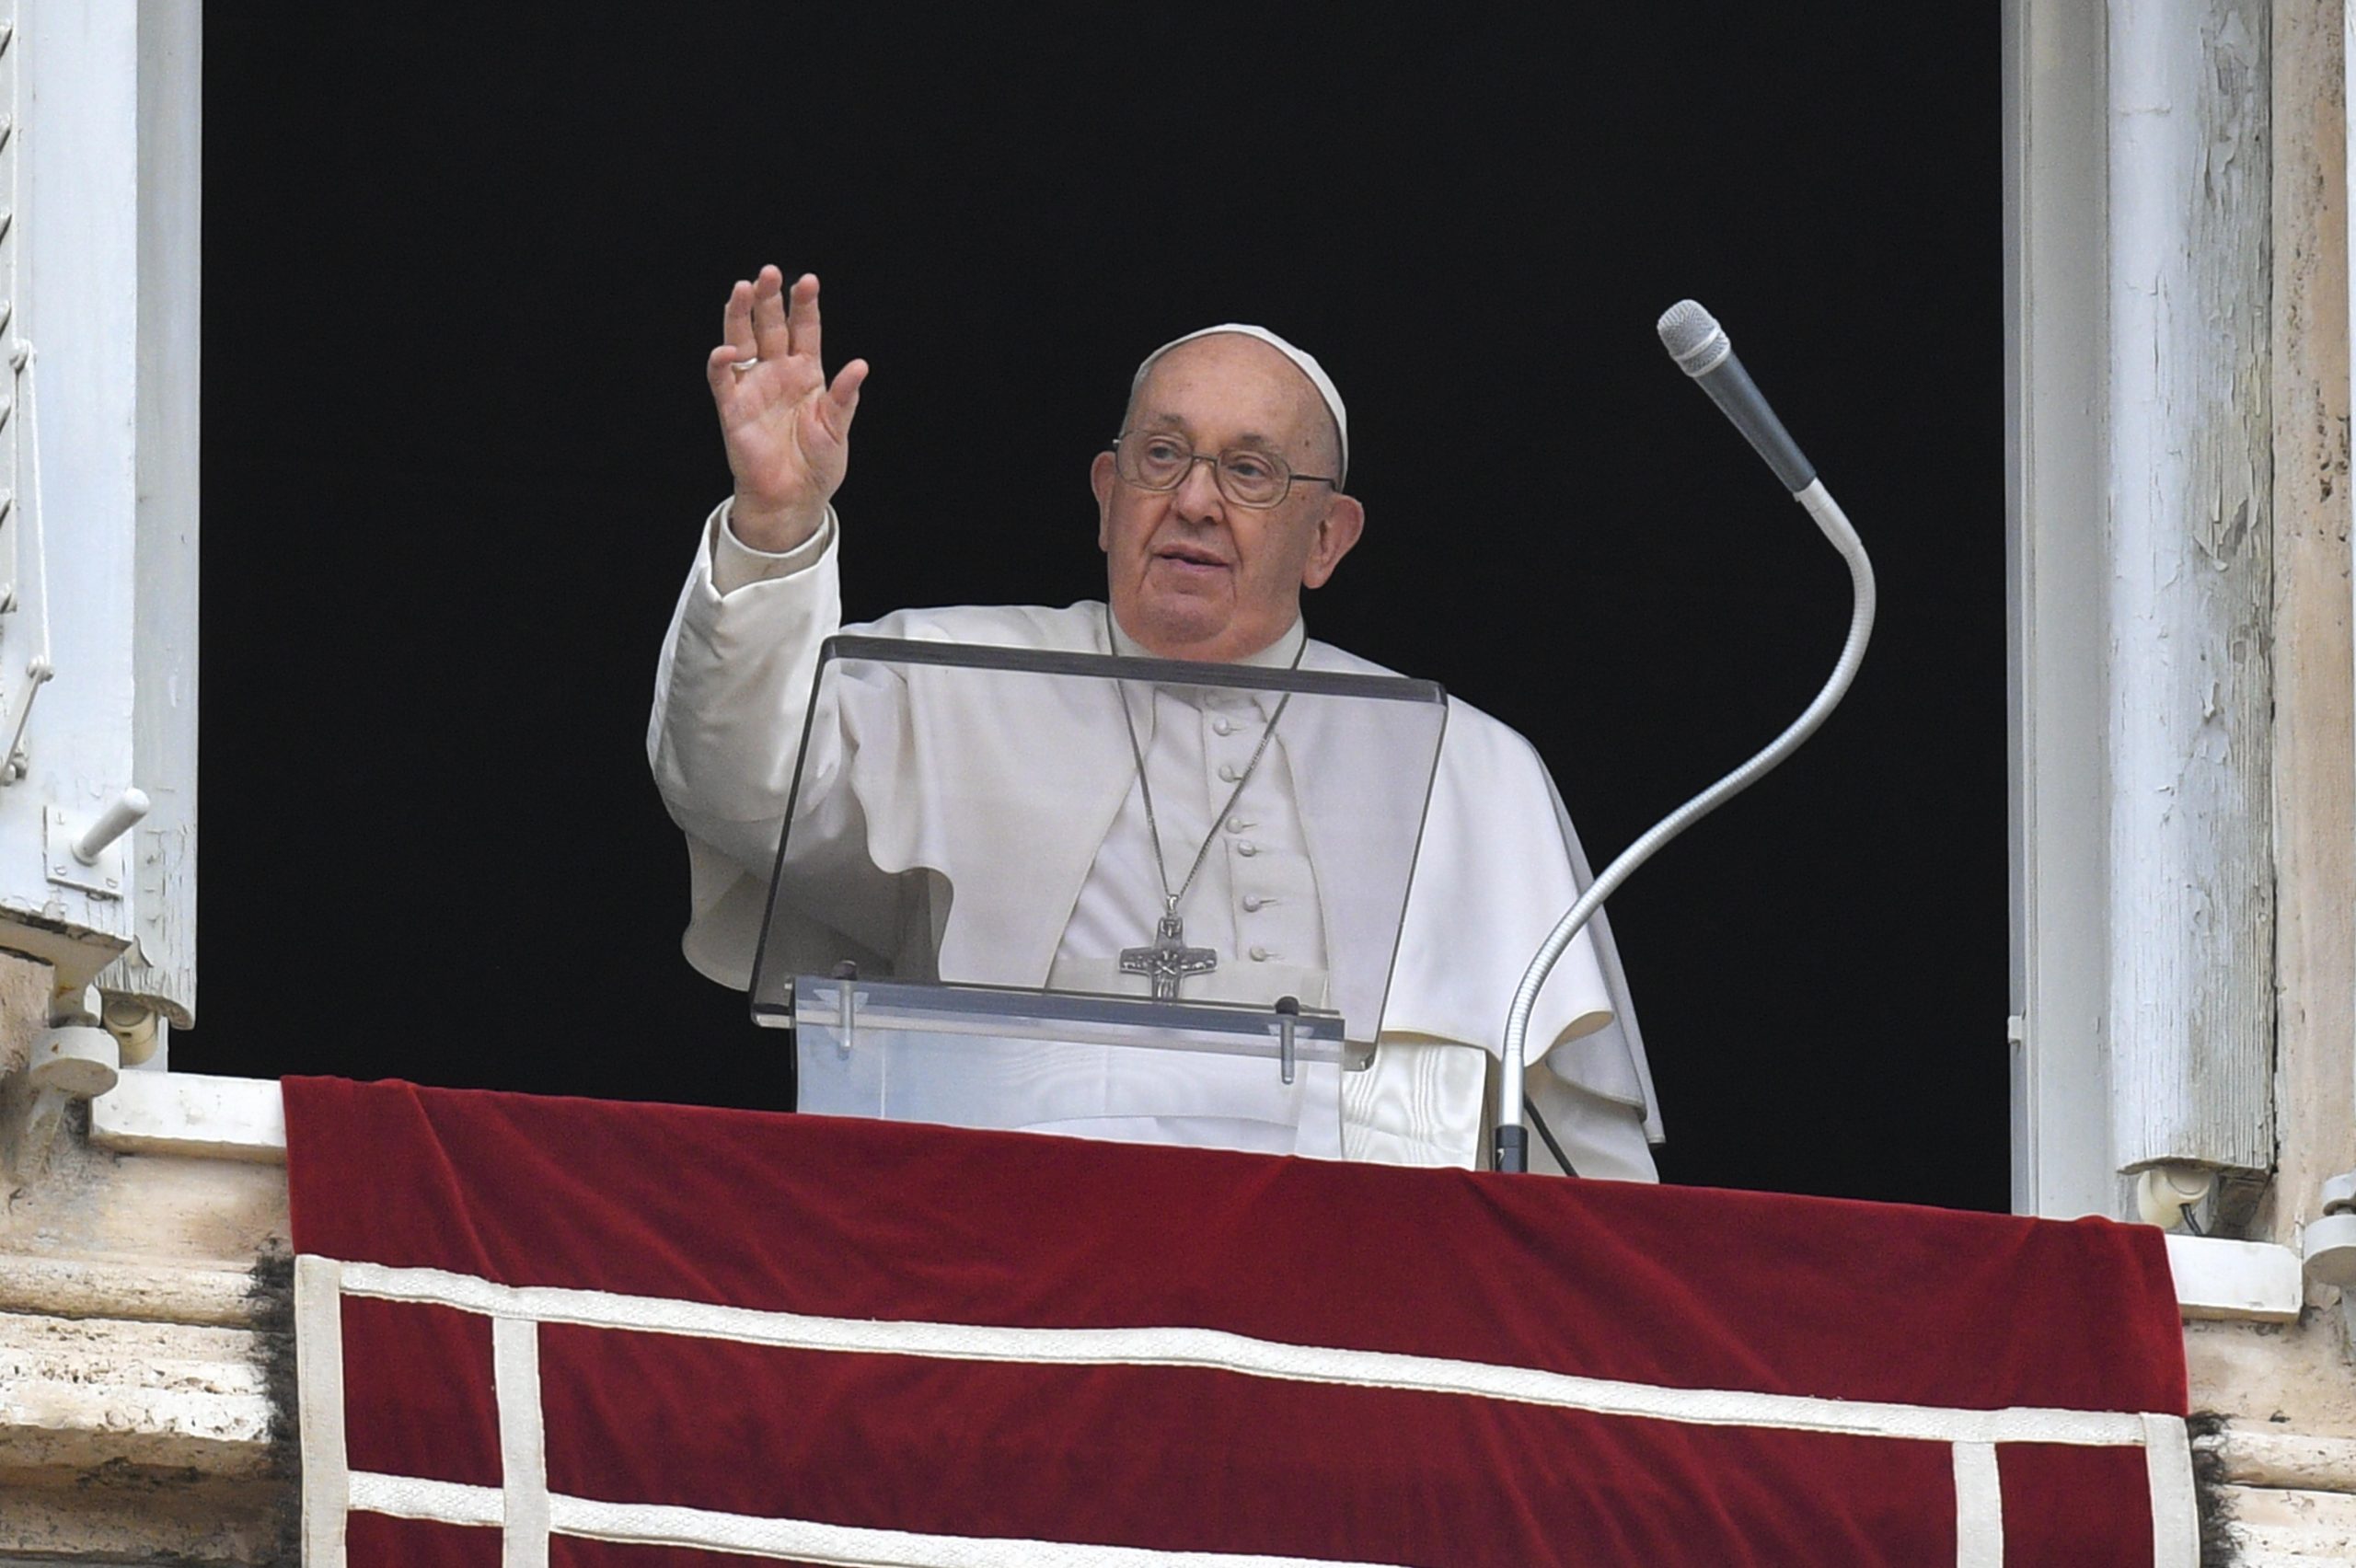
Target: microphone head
{"x": 1693, "y": 337}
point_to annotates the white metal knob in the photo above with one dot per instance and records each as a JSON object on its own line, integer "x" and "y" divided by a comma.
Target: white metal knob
{"x": 2329, "y": 1244}
{"x": 112, "y": 823}
{"x": 2163, "y": 1193}
{"x": 133, "y": 1024}
{"x": 77, "y": 1061}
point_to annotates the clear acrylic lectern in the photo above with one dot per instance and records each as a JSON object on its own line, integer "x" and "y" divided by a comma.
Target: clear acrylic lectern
{"x": 967, "y": 923}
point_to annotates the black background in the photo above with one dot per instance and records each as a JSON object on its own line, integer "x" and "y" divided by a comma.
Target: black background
{"x": 461, "y": 272}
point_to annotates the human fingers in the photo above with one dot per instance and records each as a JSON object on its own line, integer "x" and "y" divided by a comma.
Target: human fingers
{"x": 804, "y": 321}
{"x": 768, "y": 315}
{"x": 833, "y": 412}
{"x": 720, "y": 369}
{"x": 736, "y": 319}
{"x": 844, "y": 392}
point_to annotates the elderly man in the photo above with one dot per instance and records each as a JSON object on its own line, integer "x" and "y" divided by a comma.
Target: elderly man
{"x": 1220, "y": 502}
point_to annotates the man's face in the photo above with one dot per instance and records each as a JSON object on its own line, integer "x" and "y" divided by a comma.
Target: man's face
{"x": 1191, "y": 574}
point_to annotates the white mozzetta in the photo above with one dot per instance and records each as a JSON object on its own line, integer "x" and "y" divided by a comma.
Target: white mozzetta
{"x": 2190, "y": 584}
{"x": 218, "y": 1118}
{"x": 2218, "y": 1278}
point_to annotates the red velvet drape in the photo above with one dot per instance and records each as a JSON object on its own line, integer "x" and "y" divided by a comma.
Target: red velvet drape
{"x": 1662, "y": 1287}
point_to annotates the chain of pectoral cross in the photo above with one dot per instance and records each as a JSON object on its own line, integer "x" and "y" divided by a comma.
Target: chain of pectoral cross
{"x": 1169, "y": 959}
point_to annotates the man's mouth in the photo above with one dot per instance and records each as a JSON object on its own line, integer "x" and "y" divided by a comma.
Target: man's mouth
{"x": 1193, "y": 557}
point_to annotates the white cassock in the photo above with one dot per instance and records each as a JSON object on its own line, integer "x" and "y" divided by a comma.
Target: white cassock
{"x": 1047, "y": 902}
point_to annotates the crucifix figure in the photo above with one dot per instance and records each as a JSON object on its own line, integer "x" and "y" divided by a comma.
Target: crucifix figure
{"x": 1169, "y": 959}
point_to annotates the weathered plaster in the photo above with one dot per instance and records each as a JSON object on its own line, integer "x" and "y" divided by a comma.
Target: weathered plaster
{"x": 2286, "y": 1453}
{"x": 2288, "y": 1378}
{"x": 25, "y": 985}
{"x": 2315, "y": 696}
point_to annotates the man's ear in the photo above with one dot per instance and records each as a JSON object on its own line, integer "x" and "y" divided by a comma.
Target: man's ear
{"x": 1099, "y": 479}
{"x": 1344, "y": 522}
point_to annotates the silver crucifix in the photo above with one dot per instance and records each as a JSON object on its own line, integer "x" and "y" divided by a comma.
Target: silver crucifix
{"x": 1169, "y": 959}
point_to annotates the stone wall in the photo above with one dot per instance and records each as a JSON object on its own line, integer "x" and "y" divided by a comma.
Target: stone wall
{"x": 144, "y": 1339}
{"x": 2281, "y": 1458}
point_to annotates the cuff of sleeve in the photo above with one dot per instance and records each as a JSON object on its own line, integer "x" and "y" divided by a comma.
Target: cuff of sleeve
{"x": 735, "y": 564}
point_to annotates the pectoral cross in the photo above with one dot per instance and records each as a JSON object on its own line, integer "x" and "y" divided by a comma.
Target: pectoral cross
{"x": 1169, "y": 959}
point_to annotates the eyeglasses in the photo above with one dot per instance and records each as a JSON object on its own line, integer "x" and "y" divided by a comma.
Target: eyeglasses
{"x": 1157, "y": 460}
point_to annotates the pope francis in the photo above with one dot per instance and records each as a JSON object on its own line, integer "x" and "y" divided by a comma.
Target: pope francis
{"x": 1221, "y": 499}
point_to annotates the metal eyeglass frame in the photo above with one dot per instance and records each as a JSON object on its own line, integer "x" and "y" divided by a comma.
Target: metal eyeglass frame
{"x": 1219, "y": 473}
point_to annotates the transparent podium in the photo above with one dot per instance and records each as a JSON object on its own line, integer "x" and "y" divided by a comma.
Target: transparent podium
{"x": 1094, "y": 895}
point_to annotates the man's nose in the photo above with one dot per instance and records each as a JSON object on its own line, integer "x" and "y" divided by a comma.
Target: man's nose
{"x": 1198, "y": 495}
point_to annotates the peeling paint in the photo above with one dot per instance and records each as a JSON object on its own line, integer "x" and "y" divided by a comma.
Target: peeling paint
{"x": 2191, "y": 592}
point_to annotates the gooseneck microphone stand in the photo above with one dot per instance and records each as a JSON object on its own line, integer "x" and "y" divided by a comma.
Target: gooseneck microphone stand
{"x": 1701, "y": 347}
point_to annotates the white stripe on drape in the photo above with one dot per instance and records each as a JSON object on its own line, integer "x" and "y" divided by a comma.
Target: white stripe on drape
{"x": 318, "y": 1408}
{"x": 1217, "y": 1349}
{"x": 435, "y": 1501}
{"x": 523, "y": 1450}
{"x": 799, "y": 1540}
{"x": 529, "y": 1513}
{"x": 1979, "y": 1508}
{"x": 2176, "y": 1510}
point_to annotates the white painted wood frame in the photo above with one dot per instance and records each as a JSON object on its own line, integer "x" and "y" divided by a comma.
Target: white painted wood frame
{"x": 2189, "y": 573}
{"x": 2054, "y": 334}
{"x": 2139, "y": 529}
{"x": 100, "y": 544}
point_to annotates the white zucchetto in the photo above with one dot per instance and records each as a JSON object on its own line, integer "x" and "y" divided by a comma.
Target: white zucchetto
{"x": 1305, "y": 360}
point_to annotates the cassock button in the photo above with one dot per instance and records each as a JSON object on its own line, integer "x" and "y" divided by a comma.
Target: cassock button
{"x": 1247, "y": 847}
{"x": 1251, "y": 902}
{"x": 1228, "y": 773}
{"x": 1259, "y": 955}
{"x": 1223, "y": 725}
{"x": 1236, "y": 824}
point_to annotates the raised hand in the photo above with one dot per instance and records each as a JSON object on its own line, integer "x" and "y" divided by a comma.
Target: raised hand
{"x": 786, "y": 430}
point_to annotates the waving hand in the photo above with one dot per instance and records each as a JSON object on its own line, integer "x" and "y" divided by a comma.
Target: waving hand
{"x": 786, "y": 430}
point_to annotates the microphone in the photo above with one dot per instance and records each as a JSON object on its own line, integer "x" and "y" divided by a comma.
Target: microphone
{"x": 1699, "y": 345}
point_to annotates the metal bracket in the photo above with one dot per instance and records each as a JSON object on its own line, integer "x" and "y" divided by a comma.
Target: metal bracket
{"x": 12, "y": 755}
{"x": 847, "y": 1024}
{"x": 1287, "y": 1020}
{"x": 103, "y": 877}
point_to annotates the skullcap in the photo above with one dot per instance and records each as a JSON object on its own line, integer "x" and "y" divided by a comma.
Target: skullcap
{"x": 1305, "y": 360}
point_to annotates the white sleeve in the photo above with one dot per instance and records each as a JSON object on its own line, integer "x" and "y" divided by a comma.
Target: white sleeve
{"x": 735, "y": 564}
{"x": 730, "y": 691}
